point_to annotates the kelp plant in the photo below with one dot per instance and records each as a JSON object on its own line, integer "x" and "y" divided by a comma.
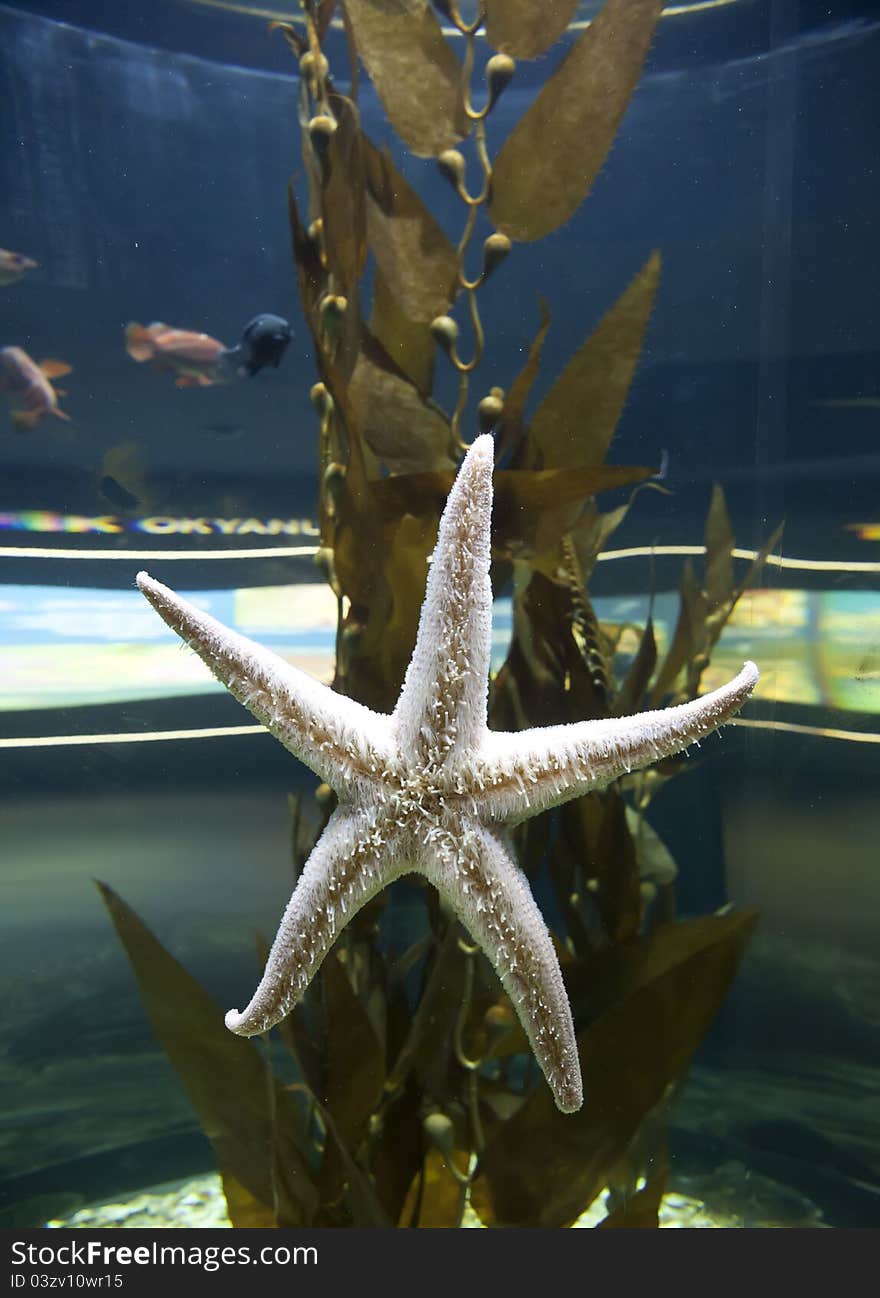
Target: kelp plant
{"x": 415, "y": 1091}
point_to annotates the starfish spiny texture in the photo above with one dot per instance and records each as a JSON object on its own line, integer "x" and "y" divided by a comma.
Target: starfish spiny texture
{"x": 430, "y": 788}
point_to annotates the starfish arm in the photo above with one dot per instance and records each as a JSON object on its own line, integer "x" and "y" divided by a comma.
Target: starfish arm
{"x": 528, "y": 771}
{"x": 476, "y": 874}
{"x": 342, "y": 741}
{"x": 348, "y": 865}
{"x": 442, "y": 706}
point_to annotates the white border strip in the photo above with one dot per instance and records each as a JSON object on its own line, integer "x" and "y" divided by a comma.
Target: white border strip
{"x": 305, "y": 551}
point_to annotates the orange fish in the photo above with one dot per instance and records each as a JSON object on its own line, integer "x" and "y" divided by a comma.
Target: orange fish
{"x": 25, "y": 379}
{"x": 195, "y": 358}
{"x": 13, "y": 265}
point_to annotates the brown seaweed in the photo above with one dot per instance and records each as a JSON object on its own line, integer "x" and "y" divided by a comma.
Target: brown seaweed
{"x": 523, "y": 29}
{"x": 548, "y": 163}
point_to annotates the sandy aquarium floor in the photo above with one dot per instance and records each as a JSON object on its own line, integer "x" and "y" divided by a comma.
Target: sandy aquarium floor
{"x": 732, "y": 1198}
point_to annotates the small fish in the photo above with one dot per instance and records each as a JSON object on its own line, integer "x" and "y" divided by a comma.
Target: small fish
{"x": 13, "y": 265}
{"x": 196, "y": 359}
{"x": 30, "y": 383}
{"x": 229, "y": 432}
{"x": 264, "y": 341}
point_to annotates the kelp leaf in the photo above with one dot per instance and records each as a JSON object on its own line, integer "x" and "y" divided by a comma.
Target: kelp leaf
{"x": 689, "y": 637}
{"x": 355, "y": 1075}
{"x": 545, "y": 678}
{"x": 757, "y": 564}
{"x": 309, "y": 813}
{"x": 359, "y": 555}
{"x": 355, "y": 1060}
{"x": 417, "y": 261}
{"x": 407, "y": 342}
{"x": 244, "y": 1210}
{"x": 575, "y": 422}
{"x": 248, "y": 1118}
{"x": 397, "y": 1151}
{"x": 428, "y": 1043}
{"x": 706, "y": 941}
{"x": 406, "y": 432}
{"x": 719, "y": 541}
{"x": 435, "y": 1199}
{"x": 544, "y": 1168}
{"x": 548, "y": 163}
{"x": 594, "y": 646}
{"x": 655, "y": 860}
{"x": 299, "y": 1036}
{"x": 642, "y": 1210}
{"x": 595, "y": 856}
{"x": 406, "y": 572}
{"x": 641, "y": 669}
{"x": 530, "y": 681}
{"x": 532, "y": 508}
{"x": 383, "y": 566}
{"x": 511, "y": 430}
{"x": 524, "y": 29}
{"x": 608, "y": 858}
{"x": 341, "y": 1175}
{"x": 343, "y": 202}
{"x": 717, "y": 615}
{"x": 415, "y": 72}
{"x": 716, "y": 623}
{"x": 592, "y": 531}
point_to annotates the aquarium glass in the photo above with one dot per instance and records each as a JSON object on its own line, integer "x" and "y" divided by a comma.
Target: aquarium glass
{"x": 151, "y": 828}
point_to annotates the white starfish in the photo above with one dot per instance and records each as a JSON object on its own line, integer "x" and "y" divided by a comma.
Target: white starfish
{"x": 430, "y": 788}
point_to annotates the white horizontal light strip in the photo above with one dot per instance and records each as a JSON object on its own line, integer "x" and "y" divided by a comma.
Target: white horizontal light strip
{"x": 300, "y": 551}
{"x": 264, "y": 552}
{"x": 772, "y": 560}
{"x": 224, "y": 732}
{"x": 139, "y": 737}
{"x": 815, "y": 732}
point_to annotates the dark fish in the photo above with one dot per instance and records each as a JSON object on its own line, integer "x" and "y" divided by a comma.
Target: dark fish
{"x": 264, "y": 341}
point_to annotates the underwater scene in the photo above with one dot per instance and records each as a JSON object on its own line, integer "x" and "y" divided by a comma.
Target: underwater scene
{"x": 439, "y": 616}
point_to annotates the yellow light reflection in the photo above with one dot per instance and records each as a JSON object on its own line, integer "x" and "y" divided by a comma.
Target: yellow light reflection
{"x": 865, "y": 531}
